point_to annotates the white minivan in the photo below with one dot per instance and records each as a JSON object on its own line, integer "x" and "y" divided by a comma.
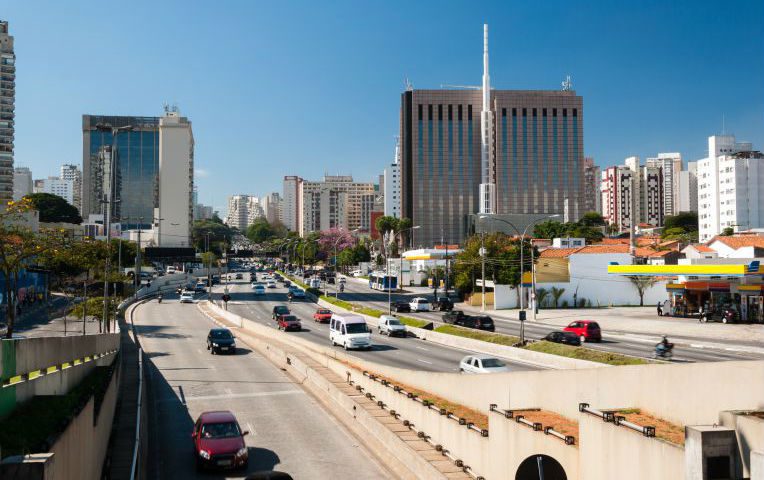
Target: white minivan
{"x": 349, "y": 331}
{"x": 419, "y": 304}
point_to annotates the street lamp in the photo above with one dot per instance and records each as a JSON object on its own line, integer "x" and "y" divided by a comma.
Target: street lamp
{"x": 336, "y": 285}
{"x": 400, "y": 270}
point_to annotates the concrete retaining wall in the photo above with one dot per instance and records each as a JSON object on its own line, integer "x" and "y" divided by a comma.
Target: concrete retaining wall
{"x": 757, "y": 465}
{"x": 750, "y": 437}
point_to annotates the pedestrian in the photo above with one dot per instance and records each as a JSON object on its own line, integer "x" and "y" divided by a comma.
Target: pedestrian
{"x": 660, "y": 309}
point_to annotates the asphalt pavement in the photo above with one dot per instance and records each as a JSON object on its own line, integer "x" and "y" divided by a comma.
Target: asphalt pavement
{"x": 687, "y": 349}
{"x": 289, "y": 430}
{"x": 399, "y": 352}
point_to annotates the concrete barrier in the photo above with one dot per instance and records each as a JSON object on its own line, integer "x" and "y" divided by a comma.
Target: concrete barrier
{"x": 757, "y": 465}
{"x": 750, "y": 436}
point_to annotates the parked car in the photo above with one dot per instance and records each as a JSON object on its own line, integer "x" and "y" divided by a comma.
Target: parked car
{"x": 391, "y": 326}
{"x": 482, "y": 364}
{"x": 279, "y": 310}
{"x": 568, "y": 338}
{"x": 419, "y": 304}
{"x": 219, "y": 441}
{"x": 401, "y": 307}
{"x": 221, "y": 340}
{"x": 289, "y": 322}
{"x": 186, "y": 297}
{"x": 586, "y": 330}
{"x": 349, "y": 331}
{"x": 356, "y": 273}
{"x": 322, "y": 315}
{"x": 443, "y": 304}
{"x": 258, "y": 289}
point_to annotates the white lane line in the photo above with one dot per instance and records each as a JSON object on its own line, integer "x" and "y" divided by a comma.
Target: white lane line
{"x": 422, "y": 348}
{"x": 423, "y": 361}
{"x": 250, "y": 429}
{"x": 232, "y": 395}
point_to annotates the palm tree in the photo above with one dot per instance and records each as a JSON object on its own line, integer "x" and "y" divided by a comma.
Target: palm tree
{"x": 541, "y": 296}
{"x": 642, "y": 283}
{"x": 556, "y": 294}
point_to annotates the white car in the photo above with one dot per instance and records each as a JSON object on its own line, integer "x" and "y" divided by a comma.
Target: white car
{"x": 419, "y": 304}
{"x": 391, "y": 326}
{"x": 270, "y": 284}
{"x": 258, "y": 289}
{"x": 186, "y": 297}
{"x": 482, "y": 364}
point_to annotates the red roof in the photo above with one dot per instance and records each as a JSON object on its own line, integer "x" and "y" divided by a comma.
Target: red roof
{"x": 703, "y": 248}
{"x": 736, "y": 242}
{"x": 601, "y": 249}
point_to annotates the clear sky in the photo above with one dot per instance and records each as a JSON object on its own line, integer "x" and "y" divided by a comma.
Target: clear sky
{"x": 287, "y": 87}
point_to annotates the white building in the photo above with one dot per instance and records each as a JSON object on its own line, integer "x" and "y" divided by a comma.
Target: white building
{"x": 688, "y": 188}
{"x": 334, "y": 202}
{"x": 22, "y": 182}
{"x": 671, "y": 166}
{"x": 271, "y": 206}
{"x": 243, "y": 210}
{"x": 730, "y": 187}
{"x": 56, "y": 186}
{"x": 290, "y": 212}
{"x": 632, "y": 187}
{"x": 617, "y": 192}
{"x": 176, "y": 181}
{"x": 73, "y": 173}
{"x": 392, "y": 186}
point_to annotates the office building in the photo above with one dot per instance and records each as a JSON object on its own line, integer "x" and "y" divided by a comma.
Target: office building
{"x": 671, "y": 166}
{"x": 290, "y": 213}
{"x": 334, "y": 202}
{"x": 136, "y": 168}
{"x": 688, "y": 188}
{"x": 391, "y": 186}
{"x": 73, "y": 174}
{"x": 202, "y": 212}
{"x": 22, "y": 182}
{"x": 471, "y": 151}
{"x": 56, "y": 186}
{"x": 592, "y": 198}
{"x": 243, "y": 210}
{"x": 730, "y": 187}
{"x": 175, "y": 191}
{"x": 271, "y": 206}
{"x": 7, "y": 115}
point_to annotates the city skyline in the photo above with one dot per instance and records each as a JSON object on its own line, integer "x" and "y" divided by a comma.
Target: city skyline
{"x": 680, "y": 100}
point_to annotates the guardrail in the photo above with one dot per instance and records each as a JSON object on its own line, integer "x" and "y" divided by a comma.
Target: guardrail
{"x": 618, "y": 420}
{"x": 136, "y": 448}
{"x": 42, "y": 372}
{"x": 536, "y": 426}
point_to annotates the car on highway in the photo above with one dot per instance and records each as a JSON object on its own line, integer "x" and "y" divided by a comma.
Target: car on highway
{"x": 297, "y": 292}
{"x": 419, "y": 304}
{"x": 401, "y": 307}
{"x": 219, "y": 441}
{"x": 239, "y": 276}
{"x": 314, "y": 283}
{"x": 258, "y": 289}
{"x": 287, "y": 283}
{"x": 289, "y": 322}
{"x": 356, "y": 273}
{"x": 221, "y": 340}
{"x": 186, "y": 297}
{"x": 279, "y": 310}
{"x": 322, "y": 315}
{"x": 442, "y": 304}
{"x": 349, "y": 331}
{"x": 270, "y": 284}
{"x": 200, "y": 287}
{"x": 482, "y": 364}
{"x": 568, "y": 338}
{"x": 587, "y": 330}
{"x": 461, "y": 319}
{"x": 391, "y": 326}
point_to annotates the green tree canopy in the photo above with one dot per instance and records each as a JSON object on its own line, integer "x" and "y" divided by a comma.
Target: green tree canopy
{"x": 220, "y": 234}
{"x": 586, "y": 228}
{"x": 53, "y": 208}
{"x": 687, "y": 221}
{"x": 261, "y": 231}
{"x": 727, "y": 232}
{"x": 592, "y": 219}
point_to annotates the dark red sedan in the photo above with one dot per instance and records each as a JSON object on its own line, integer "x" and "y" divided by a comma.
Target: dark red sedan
{"x": 322, "y": 315}
{"x": 219, "y": 441}
{"x": 587, "y": 330}
{"x": 289, "y": 322}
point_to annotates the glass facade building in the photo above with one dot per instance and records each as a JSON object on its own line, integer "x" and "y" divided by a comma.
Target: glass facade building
{"x": 136, "y": 164}
{"x": 537, "y": 157}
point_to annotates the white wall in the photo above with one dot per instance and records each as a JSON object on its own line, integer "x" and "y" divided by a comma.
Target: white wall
{"x": 176, "y": 181}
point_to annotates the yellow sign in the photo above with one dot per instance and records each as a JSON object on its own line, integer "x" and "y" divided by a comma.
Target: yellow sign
{"x": 696, "y": 270}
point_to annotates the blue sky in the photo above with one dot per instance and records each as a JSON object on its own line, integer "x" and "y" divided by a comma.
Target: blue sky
{"x": 278, "y": 88}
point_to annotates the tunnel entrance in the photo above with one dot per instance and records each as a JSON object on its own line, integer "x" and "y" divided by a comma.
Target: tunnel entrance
{"x": 540, "y": 467}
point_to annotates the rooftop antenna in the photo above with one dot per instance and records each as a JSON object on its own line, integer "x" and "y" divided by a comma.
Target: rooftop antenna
{"x": 567, "y": 85}
{"x": 408, "y": 84}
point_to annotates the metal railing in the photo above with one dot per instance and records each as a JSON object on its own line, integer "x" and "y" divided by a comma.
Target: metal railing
{"x": 618, "y": 420}
{"x": 536, "y": 426}
{"x": 134, "y": 465}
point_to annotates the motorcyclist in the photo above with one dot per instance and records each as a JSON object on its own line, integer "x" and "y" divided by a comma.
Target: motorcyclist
{"x": 159, "y": 298}
{"x": 289, "y": 296}
{"x": 342, "y": 287}
{"x": 664, "y": 346}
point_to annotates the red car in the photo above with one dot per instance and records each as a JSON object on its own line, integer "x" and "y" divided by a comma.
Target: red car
{"x": 322, "y": 315}
{"x": 219, "y": 441}
{"x": 587, "y": 330}
{"x": 289, "y": 322}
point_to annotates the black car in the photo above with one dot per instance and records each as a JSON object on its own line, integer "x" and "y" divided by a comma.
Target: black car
{"x": 401, "y": 307}
{"x": 480, "y": 322}
{"x": 443, "y": 304}
{"x": 454, "y": 316}
{"x": 279, "y": 310}
{"x": 221, "y": 340}
{"x": 568, "y": 338}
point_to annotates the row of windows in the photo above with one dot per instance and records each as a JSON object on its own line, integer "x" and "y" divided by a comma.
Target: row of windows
{"x": 513, "y": 111}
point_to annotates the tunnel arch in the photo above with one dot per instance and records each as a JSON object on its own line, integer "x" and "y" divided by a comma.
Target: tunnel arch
{"x": 532, "y": 467}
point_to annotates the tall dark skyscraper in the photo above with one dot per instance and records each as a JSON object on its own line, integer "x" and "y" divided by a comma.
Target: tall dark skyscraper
{"x": 535, "y": 157}
{"x": 7, "y": 106}
{"x": 137, "y": 168}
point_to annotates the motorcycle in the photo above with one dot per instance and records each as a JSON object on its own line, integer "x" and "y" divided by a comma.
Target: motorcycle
{"x": 289, "y": 297}
{"x": 664, "y": 352}
{"x": 342, "y": 288}
{"x": 159, "y": 299}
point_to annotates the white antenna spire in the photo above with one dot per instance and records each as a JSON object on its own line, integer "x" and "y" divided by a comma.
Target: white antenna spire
{"x": 567, "y": 85}
{"x": 487, "y": 186}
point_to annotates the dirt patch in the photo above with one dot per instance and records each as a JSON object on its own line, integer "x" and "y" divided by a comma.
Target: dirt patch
{"x": 664, "y": 429}
{"x": 470, "y": 415}
{"x": 546, "y": 418}
{"x": 756, "y": 414}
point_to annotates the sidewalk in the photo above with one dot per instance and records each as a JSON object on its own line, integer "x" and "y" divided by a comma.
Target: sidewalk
{"x": 636, "y": 321}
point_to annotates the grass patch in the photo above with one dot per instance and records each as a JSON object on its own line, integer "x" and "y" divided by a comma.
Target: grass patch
{"x": 412, "y": 322}
{"x": 372, "y": 312}
{"x": 337, "y": 302}
{"x": 581, "y": 353}
{"x": 664, "y": 429}
{"x": 30, "y": 426}
{"x": 497, "y": 338}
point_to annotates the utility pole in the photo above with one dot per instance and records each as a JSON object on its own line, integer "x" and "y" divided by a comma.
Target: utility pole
{"x": 138, "y": 260}
{"x": 482, "y": 267}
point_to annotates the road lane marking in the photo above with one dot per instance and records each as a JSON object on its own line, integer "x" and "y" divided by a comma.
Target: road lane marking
{"x": 182, "y": 397}
{"x": 422, "y": 348}
{"x": 423, "y": 361}
{"x": 232, "y": 396}
{"x": 251, "y": 430}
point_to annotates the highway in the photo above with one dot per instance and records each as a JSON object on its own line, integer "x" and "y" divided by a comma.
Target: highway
{"x": 394, "y": 351}
{"x": 289, "y": 430}
{"x": 637, "y": 345}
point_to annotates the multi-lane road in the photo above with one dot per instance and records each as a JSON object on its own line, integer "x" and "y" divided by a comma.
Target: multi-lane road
{"x": 635, "y": 345}
{"x": 289, "y": 430}
{"x": 398, "y": 352}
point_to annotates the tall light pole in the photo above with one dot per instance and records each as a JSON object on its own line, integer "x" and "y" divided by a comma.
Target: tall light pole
{"x": 115, "y": 131}
{"x": 400, "y": 270}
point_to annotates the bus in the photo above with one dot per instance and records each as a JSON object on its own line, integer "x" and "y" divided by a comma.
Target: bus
{"x": 382, "y": 281}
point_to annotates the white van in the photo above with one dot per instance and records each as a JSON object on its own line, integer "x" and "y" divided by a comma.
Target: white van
{"x": 349, "y": 331}
{"x": 170, "y": 270}
{"x": 314, "y": 283}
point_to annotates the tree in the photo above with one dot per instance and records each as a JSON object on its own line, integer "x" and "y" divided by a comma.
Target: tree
{"x": 727, "y": 232}
{"x": 259, "y": 231}
{"x": 592, "y": 219}
{"x": 53, "y": 208}
{"x": 687, "y": 221}
{"x": 642, "y": 283}
{"x": 556, "y": 294}
{"x": 386, "y": 223}
{"x": 220, "y": 235}
{"x": 541, "y": 296}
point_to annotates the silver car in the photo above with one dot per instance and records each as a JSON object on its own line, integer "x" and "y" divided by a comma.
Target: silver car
{"x": 482, "y": 364}
{"x": 391, "y": 326}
